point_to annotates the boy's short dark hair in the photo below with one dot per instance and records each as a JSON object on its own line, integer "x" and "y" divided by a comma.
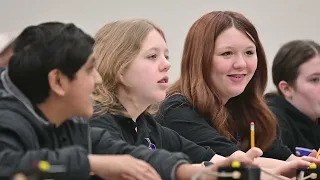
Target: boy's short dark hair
{"x": 42, "y": 48}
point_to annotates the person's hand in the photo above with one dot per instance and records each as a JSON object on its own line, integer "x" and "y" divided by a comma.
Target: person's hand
{"x": 310, "y": 158}
{"x": 289, "y": 168}
{"x": 122, "y": 167}
{"x": 245, "y": 158}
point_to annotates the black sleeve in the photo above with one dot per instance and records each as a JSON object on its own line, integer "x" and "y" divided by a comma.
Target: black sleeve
{"x": 278, "y": 150}
{"x": 163, "y": 161}
{"x": 285, "y": 129}
{"x": 13, "y": 158}
{"x": 183, "y": 119}
{"x": 105, "y": 123}
{"x": 176, "y": 143}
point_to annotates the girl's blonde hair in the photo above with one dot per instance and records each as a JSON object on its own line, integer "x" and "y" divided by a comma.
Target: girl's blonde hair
{"x": 116, "y": 45}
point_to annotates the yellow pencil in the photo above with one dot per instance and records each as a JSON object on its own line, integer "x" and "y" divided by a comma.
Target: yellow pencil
{"x": 318, "y": 153}
{"x": 252, "y": 134}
